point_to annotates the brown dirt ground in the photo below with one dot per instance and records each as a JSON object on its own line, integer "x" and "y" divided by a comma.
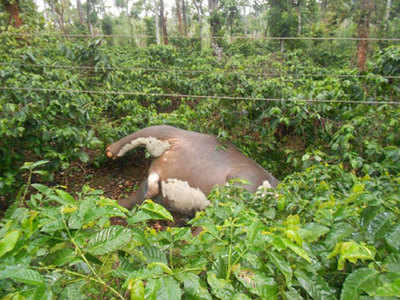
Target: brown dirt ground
{"x": 117, "y": 178}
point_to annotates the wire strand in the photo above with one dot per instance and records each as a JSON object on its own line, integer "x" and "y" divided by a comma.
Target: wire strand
{"x": 269, "y": 75}
{"x": 132, "y": 93}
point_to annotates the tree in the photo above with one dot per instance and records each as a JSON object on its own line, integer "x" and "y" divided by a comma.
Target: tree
{"x": 215, "y": 27}
{"x": 163, "y": 21}
{"x": 184, "y": 17}
{"x": 363, "y": 33}
{"x": 13, "y": 9}
{"x": 179, "y": 16}
{"x": 198, "y": 4}
{"x": 387, "y": 12}
{"x": 58, "y": 9}
{"x": 80, "y": 12}
{"x": 282, "y": 20}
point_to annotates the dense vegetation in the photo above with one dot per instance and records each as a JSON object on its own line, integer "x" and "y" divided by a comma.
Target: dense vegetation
{"x": 331, "y": 230}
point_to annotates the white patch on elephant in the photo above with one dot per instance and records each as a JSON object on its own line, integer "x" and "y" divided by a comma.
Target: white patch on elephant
{"x": 154, "y": 146}
{"x": 182, "y": 197}
{"x": 152, "y": 185}
{"x": 262, "y": 190}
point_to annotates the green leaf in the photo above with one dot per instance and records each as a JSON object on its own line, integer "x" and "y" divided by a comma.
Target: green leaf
{"x": 221, "y": 288}
{"x": 137, "y": 290}
{"x": 315, "y": 286}
{"x": 109, "y": 240}
{"x": 75, "y": 291}
{"x": 42, "y": 292}
{"x": 156, "y": 210}
{"x": 393, "y": 238}
{"x": 163, "y": 266}
{"x": 83, "y": 156}
{"x": 41, "y": 188}
{"x": 62, "y": 257}
{"x": 8, "y": 242}
{"x": 241, "y": 296}
{"x": 352, "y": 286}
{"x": 150, "y": 211}
{"x": 154, "y": 254}
{"x": 389, "y": 285}
{"x": 312, "y": 232}
{"x": 164, "y": 288}
{"x": 22, "y": 274}
{"x": 296, "y": 249}
{"x": 281, "y": 263}
{"x": 376, "y": 223}
{"x": 192, "y": 287}
{"x": 338, "y": 233}
{"x": 257, "y": 283}
{"x": 33, "y": 165}
{"x": 352, "y": 251}
{"x": 293, "y": 294}
{"x": 65, "y": 197}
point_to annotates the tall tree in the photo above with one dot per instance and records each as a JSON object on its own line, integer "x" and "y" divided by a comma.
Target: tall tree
{"x": 13, "y": 9}
{"x": 58, "y": 9}
{"x": 215, "y": 27}
{"x": 163, "y": 21}
{"x": 80, "y": 12}
{"x": 387, "y": 13}
{"x": 282, "y": 20}
{"x": 363, "y": 32}
{"x": 89, "y": 17}
{"x": 198, "y": 4}
{"x": 184, "y": 17}
{"x": 157, "y": 21}
{"x": 179, "y": 16}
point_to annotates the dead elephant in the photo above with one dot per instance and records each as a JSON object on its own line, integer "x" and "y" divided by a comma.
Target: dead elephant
{"x": 186, "y": 167}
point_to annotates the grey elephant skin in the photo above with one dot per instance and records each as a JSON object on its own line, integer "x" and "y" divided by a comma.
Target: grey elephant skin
{"x": 186, "y": 166}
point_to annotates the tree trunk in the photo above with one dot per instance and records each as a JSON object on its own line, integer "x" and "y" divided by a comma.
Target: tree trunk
{"x": 387, "y": 13}
{"x": 184, "y": 18}
{"x": 200, "y": 13}
{"x": 128, "y": 16}
{"x": 215, "y": 26}
{"x": 163, "y": 23}
{"x": 79, "y": 7}
{"x": 157, "y": 27}
{"x": 299, "y": 21}
{"x": 12, "y": 9}
{"x": 58, "y": 12}
{"x": 89, "y": 24}
{"x": 179, "y": 16}
{"x": 163, "y": 20}
{"x": 363, "y": 33}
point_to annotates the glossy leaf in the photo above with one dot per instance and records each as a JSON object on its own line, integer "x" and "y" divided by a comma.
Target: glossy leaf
{"x": 7, "y": 243}
{"x": 354, "y": 283}
{"x": 109, "y": 240}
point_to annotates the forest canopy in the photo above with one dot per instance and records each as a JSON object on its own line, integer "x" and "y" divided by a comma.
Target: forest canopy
{"x": 308, "y": 89}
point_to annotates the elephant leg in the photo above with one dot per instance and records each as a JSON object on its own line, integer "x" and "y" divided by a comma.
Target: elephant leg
{"x": 148, "y": 189}
{"x": 135, "y": 198}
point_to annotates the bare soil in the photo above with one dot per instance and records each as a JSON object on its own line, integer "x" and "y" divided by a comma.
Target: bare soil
{"x": 117, "y": 178}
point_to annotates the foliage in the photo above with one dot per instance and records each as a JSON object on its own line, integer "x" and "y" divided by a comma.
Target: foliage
{"x": 329, "y": 231}
{"x": 62, "y": 126}
{"x": 323, "y": 234}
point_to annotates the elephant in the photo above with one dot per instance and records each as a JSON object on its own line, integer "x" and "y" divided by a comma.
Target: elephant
{"x": 186, "y": 167}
